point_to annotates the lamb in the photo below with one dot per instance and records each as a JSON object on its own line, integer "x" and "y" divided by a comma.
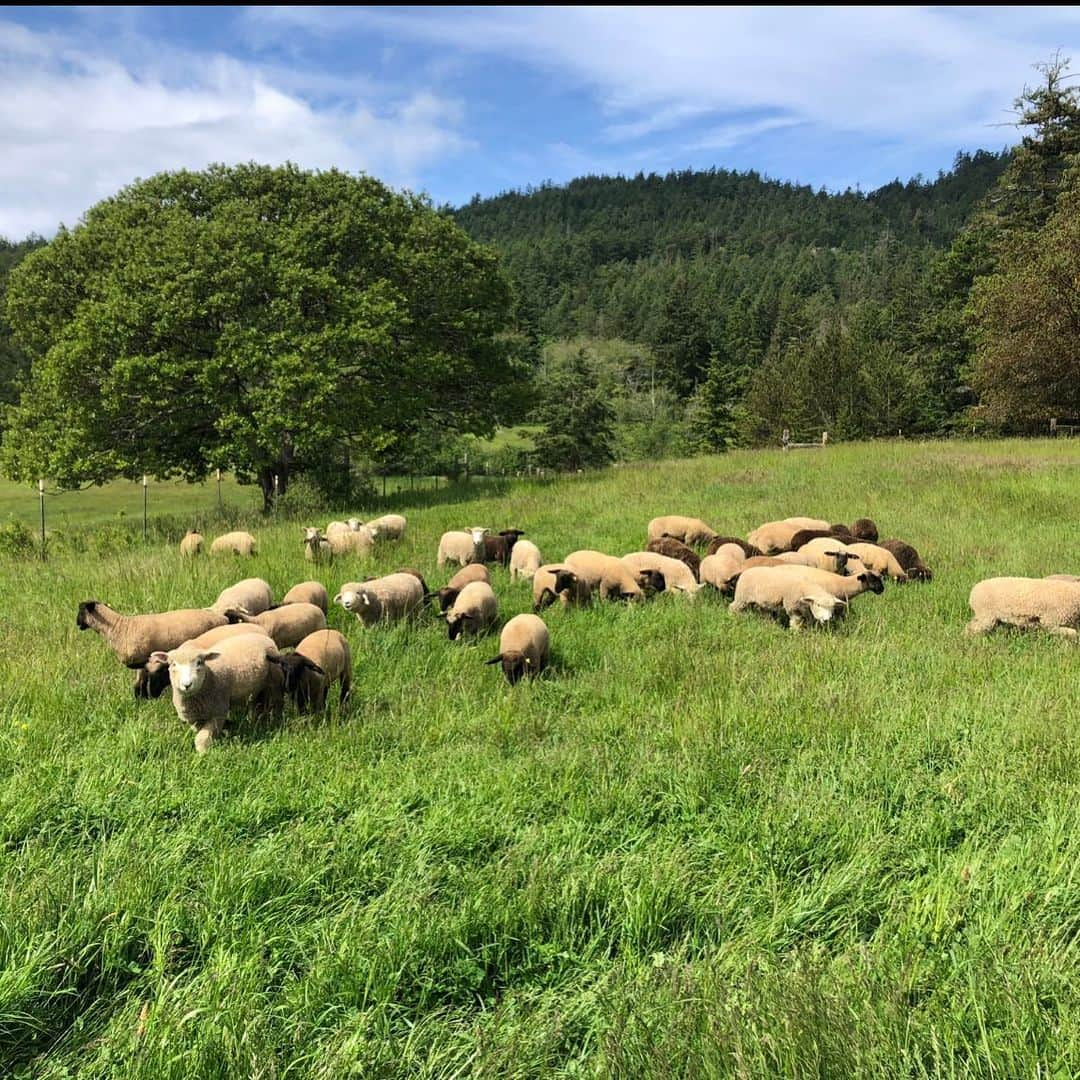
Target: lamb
{"x": 676, "y": 574}
{"x": 525, "y": 560}
{"x": 449, "y": 593}
{"x": 385, "y": 599}
{"x": 192, "y": 544}
{"x": 474, "y": 611}
{"x": 133, "y": 638}
{"x": 207, "y": 682}
{"x": 153, "y": 680}
{"x": 909, "y": 559}
{"x": 524, "y": 647}
{"x": 555, "y": 580}
{"x": 747, "y": 549}
{"x": 783, "y": 593}
{"x": 722, "y": 568}
{"x": 308, "y": 592}
{"x": 287, "y": 625}
{"x": 462, "y": 547}
{"x": 676, "y": 549}
{"x": 865, "y": 529}
{"x": 691, "y": 531}
{"x": 605, "y": 574}
{"x": 320, "y": 660}
{"x": 317, "y": 548}
{"x": 252, "y": 596}
{"x": 879, "y": 559}
{"x": 499, "y": 548}
{"x": 234, "y": 543}
{"x": 388, "y": 527}
{"x": 1051, "y": 605}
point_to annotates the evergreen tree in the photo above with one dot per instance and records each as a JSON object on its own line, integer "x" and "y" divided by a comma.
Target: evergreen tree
{"x": 712, "y": 413}
{"x": 578, "y": 418}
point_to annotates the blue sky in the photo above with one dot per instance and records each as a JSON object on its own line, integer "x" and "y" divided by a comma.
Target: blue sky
{"x": 458, "y": 101}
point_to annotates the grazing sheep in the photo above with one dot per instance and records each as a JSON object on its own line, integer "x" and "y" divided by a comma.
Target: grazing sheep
{"x": 827, "y": 553}
{"x": 308, "y": 592}
{"x": 320, "y": 660}
{"x": 448, "y": 594}
{"x": 385, "y": 599}
{"x": 388, "y": 527}
{"x": 807, "y": 522}
{"x": 747, "y": 549}
{"x": 206, "y": 683}
{"x": 349, "y": 541}
{"x": 153, "y": 680}
{"x": 774, "y": 536}
{"x": 722, "y": 568}
{"x": 133, "y": 638}
{"x": 499, "y": 548}
{"x": 415, "y": 573}
{"x": 317, "y": 548}
{"x": 880, "y": 560}
{"x": 909, "y": 559}
{"x": 1028, "y": 603}
{"x": 837, "y": 532}
{"x": 463, "y": 546}
{"x": 252, "y": 596}
{"x": 524, "y": 647}
{"x": 689, "y": 530}
{"x": 605, "y": 574}
{"x": 474, "y": 611}
{"x": 676, "y": 574}
{"x": 287, "y": 625}
{"x": 234, "y": 543}
{"x": 1062, "y": 577}
{"x": 841, "y": 586}
{"x": 865, "y": 529}
{"x": 525, "y": 560}
{"x": 555, "y": 580}
{"x": 782, "y": 593}
{"x": 192, "y": 544}
{"x": 676, "y": 549}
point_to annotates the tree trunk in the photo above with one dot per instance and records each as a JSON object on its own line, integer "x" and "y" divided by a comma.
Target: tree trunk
{"x": 266, "y": 483}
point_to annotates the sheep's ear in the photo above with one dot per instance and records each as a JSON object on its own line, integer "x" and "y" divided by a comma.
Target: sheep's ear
{"x": 494, "y": 660}
{"x": 159, "y": 657}
{"x": 210, "y": 655}
{"x": 312, "y": 666}
{"x": 337, "y": 599}
{"x": 838, "y": 554}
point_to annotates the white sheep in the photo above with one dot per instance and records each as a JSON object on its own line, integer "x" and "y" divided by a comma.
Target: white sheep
{"x": 474, "y": 611}
{"x": 525, "y": 560}
{"x": 778, "y": 591}
{"x": 234, "y": 543}
{"x": 721, "y": 568}
{"x": 320, "y": 660}
{"x": 678, "y": 577}
{"x": 192, "y": 544}
{"x": 252, "y": 596}
{"x": 287, "y": 625}
{"x": 388, "y": 527}
{"x": 153, "y": 680}
{"x": 605, "y": 575}
{"x": 349, "y": 541}
{"x": 462, "y": 546}
{"x": 524, "y": 647}
{"x": 133, "y": 638}
{"x": 308, "y": 592}
{"x": 879, "y": 559}
{"x": 690, "y": 530}
{"x": 385, "y": 599}
{"x": 1048, "y": 604}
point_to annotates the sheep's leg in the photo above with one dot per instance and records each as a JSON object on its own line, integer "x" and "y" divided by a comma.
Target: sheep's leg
{"x": 795, "y": 621}
{"x": 980, "y": 625}
{"x": 205, "y": 735}
{"x": 346, "y": 689}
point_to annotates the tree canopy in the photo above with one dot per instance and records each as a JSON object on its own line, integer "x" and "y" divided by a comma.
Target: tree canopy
{"x": 251, "y": 318}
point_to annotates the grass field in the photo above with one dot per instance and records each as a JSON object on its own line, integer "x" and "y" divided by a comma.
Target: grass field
{"x": 701, "y": 846}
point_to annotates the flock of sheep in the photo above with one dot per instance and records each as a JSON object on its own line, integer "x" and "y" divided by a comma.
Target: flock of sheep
{"x": 799, "y": 570}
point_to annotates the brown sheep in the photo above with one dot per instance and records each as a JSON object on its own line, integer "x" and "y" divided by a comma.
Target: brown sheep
{"x": 676, "y": 549}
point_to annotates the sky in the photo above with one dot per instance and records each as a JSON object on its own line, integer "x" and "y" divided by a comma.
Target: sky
{"x": 456, "y": 102}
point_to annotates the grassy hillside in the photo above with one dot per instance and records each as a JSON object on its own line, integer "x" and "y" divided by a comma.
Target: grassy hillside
{"x": 701, "y": 846}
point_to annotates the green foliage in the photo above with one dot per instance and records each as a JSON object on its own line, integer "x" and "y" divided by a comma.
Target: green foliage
{"x": 713, "y": 410}
{"x": 251, "y": 318}
{"x": 577, "y": 417}
{"x": 14, "y": 363}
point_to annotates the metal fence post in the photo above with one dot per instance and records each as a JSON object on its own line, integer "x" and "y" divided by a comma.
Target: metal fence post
{"x": 145, "y": 490}
{"x": 41, "y": 499}
{"x": 220, "y": 506}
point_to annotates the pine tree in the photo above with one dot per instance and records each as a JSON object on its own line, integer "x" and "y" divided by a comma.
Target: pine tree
{"x": 713, "y": 409}
{"x": 579, "y": 422}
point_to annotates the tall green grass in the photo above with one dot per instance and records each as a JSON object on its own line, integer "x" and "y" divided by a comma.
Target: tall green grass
{"x": 701, "y": 846}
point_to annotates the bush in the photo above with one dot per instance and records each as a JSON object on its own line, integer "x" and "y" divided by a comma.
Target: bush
{"x": 17, "y": 538}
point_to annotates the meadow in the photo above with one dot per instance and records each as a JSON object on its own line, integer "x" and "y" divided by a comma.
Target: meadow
{"x": 699, "y": 846}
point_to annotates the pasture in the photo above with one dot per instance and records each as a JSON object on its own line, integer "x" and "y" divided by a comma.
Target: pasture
{"x": 700, "y": 846}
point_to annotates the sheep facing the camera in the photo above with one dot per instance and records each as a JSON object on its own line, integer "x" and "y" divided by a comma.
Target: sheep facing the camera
{"x": 385, "y": 599}
{"x": 524, "y": 648}
{"x": 462, "y": 546}
{"x": 152, "y": 679}
{"x": 317, "y": 548}
{"x": 499, "y": 549}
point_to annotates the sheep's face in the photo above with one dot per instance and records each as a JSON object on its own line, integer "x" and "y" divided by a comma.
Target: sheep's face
{"x": 84, "y": 620}
{"x": 355, "y": 524}
{"x": 152, "y": 680}
{"x": 872, "y": 581}
{"x": 349, "y": 599}
{"x": 822, "y": 608}
{"x": 652, "y": 581}
{"x": 187, "y": 668}
{"x": 564, "y": 580}
{"x": 312, "y": 536}
{"x": 455, "y": 624}
{"x": 477, "y": 535}
{"x": 920, "y": 573}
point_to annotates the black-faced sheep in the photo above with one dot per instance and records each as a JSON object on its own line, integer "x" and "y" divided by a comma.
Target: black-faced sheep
{"x": 317, "y": 548}
{"x": 909, "y": 559}
{"x": 498, "y": 549}
{"x": 524, "y": 647}
{"x": 474, "y": 611}
{"x": 605, "y": 575}
{"x": 134, "y": 637}
{"x": 320, "y": 660}
{"x": 449, "y": 592}
{"x": 880, "y": 560}
{"x": 556, "y": 581}
{"x": 677, "y": 576}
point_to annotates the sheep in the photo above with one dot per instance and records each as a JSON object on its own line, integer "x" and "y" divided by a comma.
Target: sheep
{"x": 463, "y": 546}
{"x": 1029, "y": 603}
{"x": 909, "y": 559}
{"x": 448, "y": 594}
{"x": 524, "y": 647}
{"x": 807, "y": 522}
{"x": 1062, "y": 577}
{"x": 747, "y": 549}
{"x": 234, "y": 543}
{"x": 499, "y": 548}
{"x": 827, "y": 554}
{"x": 415, "y": 573}
{"x": 388, "y": 527}
{"x": 880, "y": 560}
{"x": 774, "y": 536}
{"x": 287, "y": 625}
{"x": 722, "y": 568}
{"x": 252, "y": 596}
{"x": 308, "y": 592}
{"x": 153, "y": 679}
{"x": 676, "y": 549}
{"x": 605, "y": 574}
{"x": 320, "y": 660}
{"x": 837, "y": 532}
{"x": 133, "y": 638}
{"x": 865, "y": 529}
{"x": 317, "y": 548}
{"x": 385, "y": 599}
{"x": 474, "y": 611}
{"x": 192, "y": 544}
{"x": 691, "y": 531}
{"x": 207, "y": 682}
{"x": 676, "y": 574}
{"x": 783, "y": 593}
{"x": 525, "y": 560}
{"x": 844, "y": 588}
{"x": 349, "y": 541}
{"x": 555, "y": 580}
